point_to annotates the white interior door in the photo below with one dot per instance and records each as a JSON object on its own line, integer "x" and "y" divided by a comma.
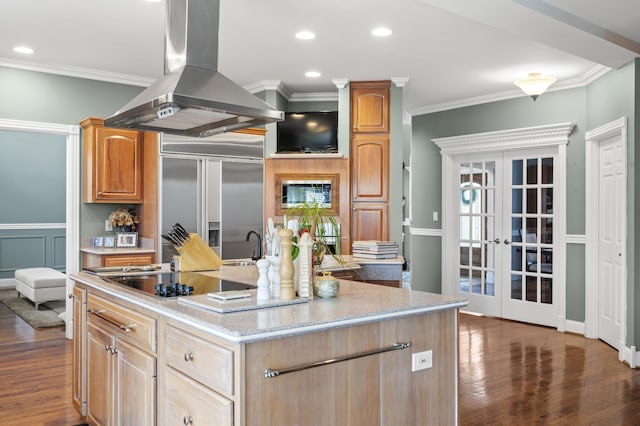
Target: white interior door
{"x": 528, "y": 224}
{"x": 505, "y": 249}
{"x": 612, "y": 230}
{"x": 478, "y": 249}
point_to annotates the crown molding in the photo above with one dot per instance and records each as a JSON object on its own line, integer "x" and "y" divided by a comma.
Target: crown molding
{"x": 527, "y": 137}
{"x": 586, "y": 79}
{"x": 79, "y": 72}
{"x": 400, "y": 81}
{"x": 314, "y": 97}
{"x": 340, "y": 83}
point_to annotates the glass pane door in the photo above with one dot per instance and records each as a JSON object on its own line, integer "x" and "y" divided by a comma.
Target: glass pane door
{"x": 530, "y": 224}
{"x": 477, "y": 240}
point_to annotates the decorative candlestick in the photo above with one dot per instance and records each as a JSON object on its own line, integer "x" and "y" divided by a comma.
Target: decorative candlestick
{"x": 263, "y": 280}
{"x": 287, "y": 291}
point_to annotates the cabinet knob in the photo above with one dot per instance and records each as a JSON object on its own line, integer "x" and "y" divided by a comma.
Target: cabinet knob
{"x": 70, "y": 295}
{"x": 107, "y": 348}
{"x": 188, "y": 357}
{"x": 187, "y": 420}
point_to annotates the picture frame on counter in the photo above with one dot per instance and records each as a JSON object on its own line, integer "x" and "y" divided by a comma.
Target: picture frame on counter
{"x": 98, "y": 241}
{"x": 126, "y": 239}
{"x": 109, "y": 241}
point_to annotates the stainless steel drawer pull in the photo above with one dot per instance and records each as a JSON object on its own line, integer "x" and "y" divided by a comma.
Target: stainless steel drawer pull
{"x": 269, "y": 372}
{"x": 99, "y": 314}
{"x": 188, "y": 357}
{"x": 187, "y": 420}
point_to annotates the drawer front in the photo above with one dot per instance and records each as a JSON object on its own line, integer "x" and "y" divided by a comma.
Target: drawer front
{"x": 126, "y": 260}
{"x": 135, "y": 327}
{"x": 206, "y": 362}
{"x": 190, "y": 403}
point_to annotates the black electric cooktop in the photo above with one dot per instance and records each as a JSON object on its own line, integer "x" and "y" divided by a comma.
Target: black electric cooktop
{"x": 178, "y": 284}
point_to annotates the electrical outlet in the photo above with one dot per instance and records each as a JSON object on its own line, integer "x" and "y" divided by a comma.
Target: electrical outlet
{"x": 435, "y": 216}
{"x": 421, "y": 360}
{"x": 107, "y": 225}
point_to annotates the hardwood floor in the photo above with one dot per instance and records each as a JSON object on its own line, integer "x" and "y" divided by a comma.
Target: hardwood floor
{"x": 510, "y": 374}
{"x": 35, "y": 374}
{"x": 518, "y": 374}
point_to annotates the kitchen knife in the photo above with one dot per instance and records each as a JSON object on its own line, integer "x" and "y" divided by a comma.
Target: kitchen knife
{"x": 183, "y": 231}
{"x": 170, "y": 239}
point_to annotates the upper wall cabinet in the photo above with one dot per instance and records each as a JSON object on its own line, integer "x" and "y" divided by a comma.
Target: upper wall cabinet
{"x": 370, "y": 107}
{"x": 112, "y": 163}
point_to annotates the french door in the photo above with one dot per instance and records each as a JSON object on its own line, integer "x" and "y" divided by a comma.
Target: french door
{"x": 506, "y": 250}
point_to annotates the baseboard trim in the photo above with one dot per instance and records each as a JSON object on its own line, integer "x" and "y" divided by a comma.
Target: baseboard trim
{"x": 574, "y": 327}
{"x": 7, "y": 282}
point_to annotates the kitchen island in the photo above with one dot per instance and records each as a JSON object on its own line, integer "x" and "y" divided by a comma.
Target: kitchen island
{"x": 139, "y": 359}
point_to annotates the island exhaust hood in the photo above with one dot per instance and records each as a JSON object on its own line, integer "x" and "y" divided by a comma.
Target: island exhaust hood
{"x": 193, "y": 98}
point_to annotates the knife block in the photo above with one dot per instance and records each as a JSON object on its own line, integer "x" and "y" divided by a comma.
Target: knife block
{"x": 196, "y": 255}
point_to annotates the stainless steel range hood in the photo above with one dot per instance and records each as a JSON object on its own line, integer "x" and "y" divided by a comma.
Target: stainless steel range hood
{"x": 193, "y": 98}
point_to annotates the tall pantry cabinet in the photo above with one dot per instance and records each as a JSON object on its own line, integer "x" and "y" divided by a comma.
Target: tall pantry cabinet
{"x": 370, "y": 145}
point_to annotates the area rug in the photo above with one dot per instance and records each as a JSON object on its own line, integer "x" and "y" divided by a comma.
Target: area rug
{"x": 45, "y": 316}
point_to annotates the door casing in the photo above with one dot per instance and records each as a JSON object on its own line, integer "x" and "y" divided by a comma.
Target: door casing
{"x": 529, "y": 138}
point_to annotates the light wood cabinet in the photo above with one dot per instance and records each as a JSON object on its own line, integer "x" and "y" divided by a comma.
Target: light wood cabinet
{"x": 370, "y": 152}
{"x": 112, "y": 163}
{"x": 79, "y": 349}
{"x": 369, "y": 168}
{"x": 377, "y": 389}
{"x": 198, "y": 380}
{"x": 92, "y": 260}
{"x": 370, "y": 107}
{"x": 369, "y": 221}
{"x": 121, "y": 368}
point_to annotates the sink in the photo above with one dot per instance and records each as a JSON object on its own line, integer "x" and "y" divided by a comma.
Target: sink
{"x": 238, "y": 262}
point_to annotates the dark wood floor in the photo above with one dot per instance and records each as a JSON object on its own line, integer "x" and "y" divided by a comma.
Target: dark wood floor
{"x": 510, "y": 374}
{"x": 517, "y": 374}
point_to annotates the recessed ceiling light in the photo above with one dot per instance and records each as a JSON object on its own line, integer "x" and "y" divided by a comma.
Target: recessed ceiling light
{"x": 312, "y": 74}
{"x": 305, "y": 35}
{"x": 23, "y": 49}
{"x": 381, "y": 32}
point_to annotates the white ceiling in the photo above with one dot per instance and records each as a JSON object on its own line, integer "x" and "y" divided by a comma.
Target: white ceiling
{"x": 454, "y": 52}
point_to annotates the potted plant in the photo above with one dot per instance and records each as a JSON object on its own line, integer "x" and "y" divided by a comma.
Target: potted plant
{"x": 322, "y": 226}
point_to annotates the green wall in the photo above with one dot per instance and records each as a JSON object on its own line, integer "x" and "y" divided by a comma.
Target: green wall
{"x": 613, "y": 96}
{"x": 51, "y": 98}
{"x": 610, "y": 97}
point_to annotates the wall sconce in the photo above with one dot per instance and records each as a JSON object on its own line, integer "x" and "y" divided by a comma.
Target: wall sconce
{"x": 534, "y": 85}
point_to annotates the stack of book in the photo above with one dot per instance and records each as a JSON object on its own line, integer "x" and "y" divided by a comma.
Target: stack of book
{"x": 375, "y": 249}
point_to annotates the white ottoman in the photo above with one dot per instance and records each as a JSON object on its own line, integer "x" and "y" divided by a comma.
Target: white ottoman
{"x": 40, "y": 284}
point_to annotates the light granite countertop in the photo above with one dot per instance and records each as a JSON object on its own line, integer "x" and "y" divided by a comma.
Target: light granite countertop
{"x": 356, "y": 303}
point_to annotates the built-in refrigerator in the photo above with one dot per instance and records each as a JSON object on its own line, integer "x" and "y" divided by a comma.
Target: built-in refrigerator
{"x": 219, "y": 198}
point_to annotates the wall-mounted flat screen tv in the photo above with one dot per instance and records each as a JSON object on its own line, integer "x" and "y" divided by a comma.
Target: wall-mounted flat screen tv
{"x": 308, "y": 132}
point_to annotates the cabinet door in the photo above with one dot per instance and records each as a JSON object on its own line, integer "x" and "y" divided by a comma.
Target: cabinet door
{"x": 370, "y": 109}
{"x": 118, "y": 165}
{"x": 369, "y": 168}
{"x": 79, "y": 350}
{"x": 188, "y": 402}
{"x": 135, "y": 378}
{"x": 369, "y": 221}
{"x": 100, "y": 378}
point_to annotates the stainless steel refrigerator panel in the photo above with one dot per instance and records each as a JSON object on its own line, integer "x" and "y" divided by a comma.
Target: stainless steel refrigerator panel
{"x": 242, "y": 205}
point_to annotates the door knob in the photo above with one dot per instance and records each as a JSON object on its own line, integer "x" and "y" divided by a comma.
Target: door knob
{"x": 507, "y": 242}
{"x": 497, "y": 241}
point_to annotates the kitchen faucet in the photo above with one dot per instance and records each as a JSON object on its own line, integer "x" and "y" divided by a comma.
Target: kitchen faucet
{"x": 259, "y": 256}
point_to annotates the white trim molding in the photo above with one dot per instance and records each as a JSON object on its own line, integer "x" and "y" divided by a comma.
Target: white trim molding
{"x": 548, "y": 136}
{"x": 576, "y": 239}
{"x": 551, "y": 138}
{"x": 426, "y": 232}
{"x": 25, "y": 226}
{"x": 592, "y": 149}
